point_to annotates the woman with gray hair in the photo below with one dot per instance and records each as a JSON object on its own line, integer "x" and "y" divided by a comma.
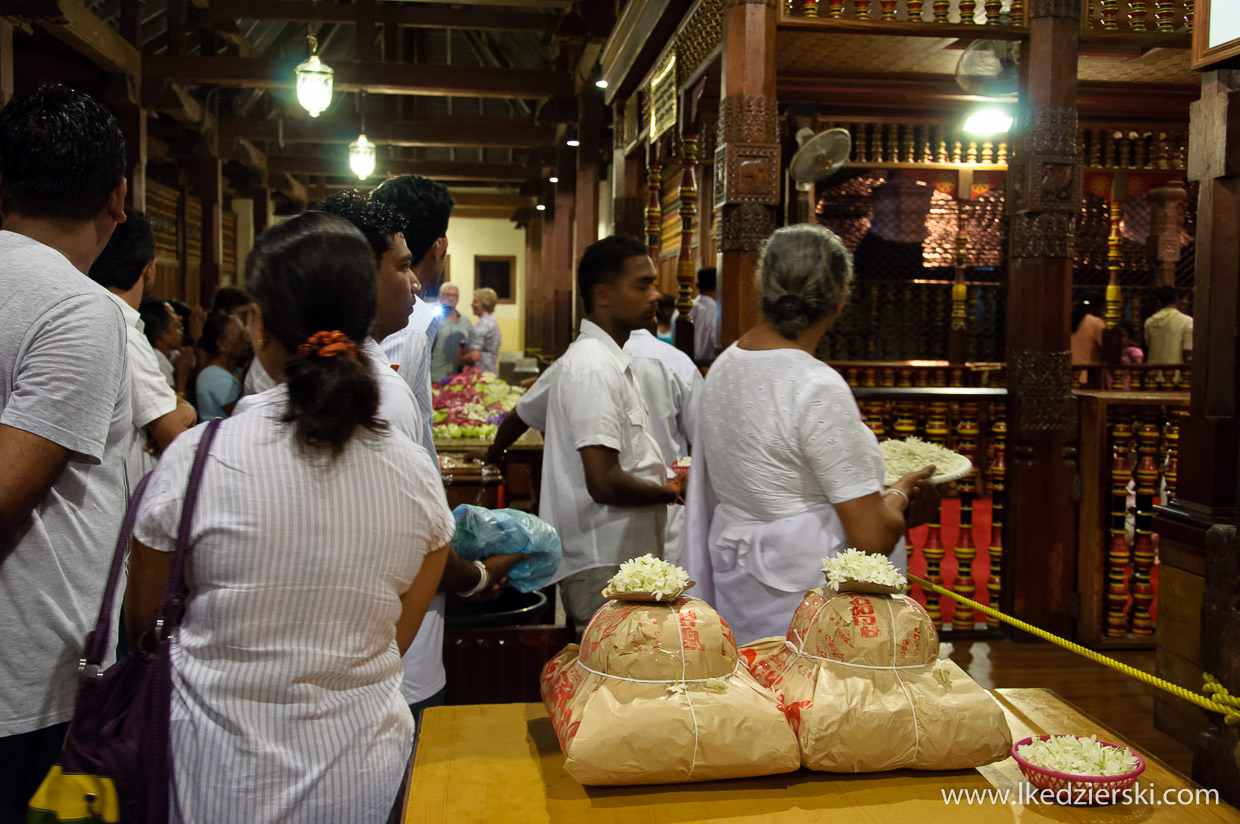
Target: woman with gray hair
{"x": 785, "y": 470}
{"x": 481, "y": 350}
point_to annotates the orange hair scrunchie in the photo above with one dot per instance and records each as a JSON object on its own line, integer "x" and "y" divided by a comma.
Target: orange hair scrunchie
{"x": 328, "y": 345}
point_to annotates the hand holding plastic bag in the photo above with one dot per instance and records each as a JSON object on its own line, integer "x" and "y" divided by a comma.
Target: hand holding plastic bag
{"x": 482, "y": 533}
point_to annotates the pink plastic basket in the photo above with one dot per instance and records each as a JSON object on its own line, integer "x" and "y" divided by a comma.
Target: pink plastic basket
{"x": 681, "y": 472}
{"x": 1096, "y": 787}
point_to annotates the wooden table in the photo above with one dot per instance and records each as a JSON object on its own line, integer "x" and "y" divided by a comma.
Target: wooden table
{"x": 501, "y": 763}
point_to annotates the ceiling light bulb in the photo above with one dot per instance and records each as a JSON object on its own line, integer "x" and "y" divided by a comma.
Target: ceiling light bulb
{"x": 541, "y": 207}
{"x": 572, "y": 141}
{"x": 988, "y": 121}
{"x": 553, "y": 179}
{"x": 601, "y": 83}
{"x": 362, "y": 157}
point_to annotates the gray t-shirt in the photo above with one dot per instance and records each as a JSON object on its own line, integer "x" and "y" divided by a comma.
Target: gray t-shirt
{"x": 63, "y": 377}
{"x": 485, "y": 338}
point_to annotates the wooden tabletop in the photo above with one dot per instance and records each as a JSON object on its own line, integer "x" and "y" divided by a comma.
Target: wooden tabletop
{"x": 502, "y": 763}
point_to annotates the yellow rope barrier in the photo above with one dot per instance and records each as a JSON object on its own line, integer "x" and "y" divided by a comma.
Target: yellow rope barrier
{"x": 1221, "y": 701}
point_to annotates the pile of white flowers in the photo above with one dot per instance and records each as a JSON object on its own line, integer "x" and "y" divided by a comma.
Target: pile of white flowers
{"x": 1078, "y": 756}
{"x": 647, "y": 573}
{"x": 854, "y": 565}
{"x": 682, "y": 462}
{"x": 900, "y": 457}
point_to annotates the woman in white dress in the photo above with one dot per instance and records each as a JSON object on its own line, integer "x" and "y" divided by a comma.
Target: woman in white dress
{"x": 317, "y": 543}
{"x": 785, "y": 470}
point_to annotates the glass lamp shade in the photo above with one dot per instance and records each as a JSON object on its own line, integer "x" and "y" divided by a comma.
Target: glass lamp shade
{"x": 314, "y": 85}
{"x": 362, "y": 157}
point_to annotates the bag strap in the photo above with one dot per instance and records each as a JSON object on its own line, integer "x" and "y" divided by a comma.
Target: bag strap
{"x": 97, "y": 640}
{"x": 172, "y": 608}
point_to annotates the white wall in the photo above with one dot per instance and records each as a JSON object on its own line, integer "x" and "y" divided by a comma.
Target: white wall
{"x": 470, "y": 236}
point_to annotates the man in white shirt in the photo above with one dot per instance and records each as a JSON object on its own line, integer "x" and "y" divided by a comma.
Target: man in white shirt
{"x": 705, "y": 317}
{"x": 425, "y": 207}
{"x": 1168, "y": 332}
{"x": 64, "y": 415}
{"x": 126, "y": 268}
{"x": 605, "y": 484}
{"x": 425, "y": 678}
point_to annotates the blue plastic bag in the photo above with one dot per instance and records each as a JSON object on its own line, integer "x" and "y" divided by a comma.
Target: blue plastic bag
{"x": 481, "y": 533}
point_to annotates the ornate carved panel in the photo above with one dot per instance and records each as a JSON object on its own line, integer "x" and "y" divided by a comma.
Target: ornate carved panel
{"x": 747, "y": 157}
{"x": 1049, "y": 234}
{"x": 629, "y": 214}
{"x": 1040, "y": 386}
{"x": 746, "y": 118}
{"x": 1054, "y": 8}
{"x": 743, "y": 227}
{"x": 1045, "y": 174}
{"x": 699, "y": 38}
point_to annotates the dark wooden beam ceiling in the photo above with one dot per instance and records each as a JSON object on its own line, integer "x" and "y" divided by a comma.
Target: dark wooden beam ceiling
{"x": 404, "y": 15}
{"x": 70, "y": 22}
{"x": 376, "y": 78}
{"x": 336, "y": 164}
{"x": 457, "y": 132}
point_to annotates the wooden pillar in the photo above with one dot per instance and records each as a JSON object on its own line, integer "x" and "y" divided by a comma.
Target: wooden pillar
{"x": 586, "y": 207}
{"x": 132, "y": 119}
{"x": 628, "y": 206}
{"x": 1044, "y": 198}
{"x": 746, "y": 159}
{"x": 559, "y": 268}
{"x": 209, "y": 187}
{"x": 686, "y": 269}
{"x": 1166, "y": 221}
{"x": 958, "y": 334}
{"x": 1197, "y": 543}
{"x": 6, "y": 62}
{"x": 262, "y": 212}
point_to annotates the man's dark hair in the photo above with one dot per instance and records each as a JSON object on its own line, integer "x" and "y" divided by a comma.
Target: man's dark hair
{"x": 376, "y": 221}
{"x": 213, "y": 332}
{"x": 706, "y": 279}
{"x": 423, "y": 204}
{"x": 667, "y": 302}
{"x": 61, "y": 154}
{"x": 1165, "y": 295}
{"x": 603, "y": 262}
{"x": 155, "y": 317}
{"x": 228, "y": 300}
{"x": 129, "y": 250}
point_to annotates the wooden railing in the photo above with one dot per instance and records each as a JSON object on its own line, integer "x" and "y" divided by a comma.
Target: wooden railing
{"x": 1167, "y": 17}
{"x": 996, "y": 14}
{"x": 1137, "y": 378}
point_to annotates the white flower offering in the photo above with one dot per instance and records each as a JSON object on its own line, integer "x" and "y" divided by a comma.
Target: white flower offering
{"x": 682, "y": 462}
{"x": 647, "y": 574}
{"x": 1071, "y": 755}
{"x": 900, "y": 457}
{"x": 854, "y": 566}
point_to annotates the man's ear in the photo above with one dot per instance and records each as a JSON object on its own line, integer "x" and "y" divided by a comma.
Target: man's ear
{"x": 148, "y": 273}
{"x": 116, "y": 201}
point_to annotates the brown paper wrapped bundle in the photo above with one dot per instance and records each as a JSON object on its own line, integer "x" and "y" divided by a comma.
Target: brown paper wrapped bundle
{"x": 656, "y": 695}
{"x": 863, "y": 688}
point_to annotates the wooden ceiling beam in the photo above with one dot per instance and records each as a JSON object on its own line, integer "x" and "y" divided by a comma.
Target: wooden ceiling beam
{"x": 436, "y": 170}
{"x": 404, "y": 15}
{"x": 70, "y": 22}
{"x": 377, "y": 78}
{"x": 459, "y": 132}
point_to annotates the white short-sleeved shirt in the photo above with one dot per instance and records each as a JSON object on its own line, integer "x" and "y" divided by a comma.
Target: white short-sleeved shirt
{"x": 256, "y": 379}
{"x": 668, "y": 378}
{"x": 151, "y": 395}
{"x": 63, "y": 377}
{"x": 409, "y": 352}
{"x": 1168, "y": 335}
{"x": 595, "y": 401}
{"x": 286, "y": 673}
{"x": 169, "y": 371}
{"x": 705, "y": 317}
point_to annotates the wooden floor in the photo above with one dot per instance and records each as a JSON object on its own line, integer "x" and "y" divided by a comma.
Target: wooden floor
{"x": 1119, "y": 701}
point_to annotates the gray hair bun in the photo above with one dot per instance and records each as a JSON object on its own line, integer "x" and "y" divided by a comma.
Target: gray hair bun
{"x": 805, "y": 271}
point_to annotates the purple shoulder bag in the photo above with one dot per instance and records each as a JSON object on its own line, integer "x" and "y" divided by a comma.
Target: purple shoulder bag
{"x": 115, "y": 761}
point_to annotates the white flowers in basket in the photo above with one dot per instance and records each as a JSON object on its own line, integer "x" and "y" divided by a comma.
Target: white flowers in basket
{"x": 1078, "y": 756}
{"x": 648, "y": 574}
{"x": 854, "y": 566}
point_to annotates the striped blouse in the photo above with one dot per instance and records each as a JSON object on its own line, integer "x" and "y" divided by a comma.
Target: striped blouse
{"x": 286, "y": 675}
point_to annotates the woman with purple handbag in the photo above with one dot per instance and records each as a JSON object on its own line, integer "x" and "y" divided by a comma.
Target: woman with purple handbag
{"x": 316, "y": 544}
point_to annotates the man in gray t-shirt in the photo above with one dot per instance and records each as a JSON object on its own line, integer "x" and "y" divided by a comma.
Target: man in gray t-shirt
{"x": 65, "y": 415}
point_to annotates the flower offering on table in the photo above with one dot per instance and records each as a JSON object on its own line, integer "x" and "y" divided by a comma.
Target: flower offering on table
{"x": 471, "y": 405}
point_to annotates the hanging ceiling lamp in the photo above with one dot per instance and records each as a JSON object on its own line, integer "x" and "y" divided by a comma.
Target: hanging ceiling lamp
{"x": 314, "y": 81}
{"x": 362, "y": 151}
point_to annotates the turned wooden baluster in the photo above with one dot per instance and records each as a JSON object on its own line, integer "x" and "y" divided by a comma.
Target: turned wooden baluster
{"x": 790, "y": 8}
{"x": 957, "y": 152}
{"x": 1095, "y": 147}
{"x": 1114, "y": 297}
{"x": 873, "y": 411}
{"x": 941, "y": 8}
{"x": 910, "y": 145}
{"x": 1165, "y": 15}
{"x": 1189, "y": 8}
{"x": 993, "y": 8}
{"x": 1110, "y": 15}
{"x": 972, "y": 151}
{"x": 685, "y": 269}
{"x": 887, "y": 377}
{"x": 1119, "y": 553}
{"x": 654, "y": 212}
{"x": 936, "y": 424}
{"x": 1171, "y": 470}
{"x": 967, "y": 431}
{"x": 893, "y": 143}
{"x": 1143, "y": 550}
{"x": 863, "y": 9}
{"x": 889, "y": 10}
{"x": 914, "y": 10}
{"x": 1002, "y": 157}
{"x": 988, "y": 152}
{"x": 906, "y": 377}
{"x": 968, "y": 8}
{"x": 810, "y": 8}
{"x": 998, "y": 491}
{"x": 1018, "y": 12}
{"x": 934, "y": 552}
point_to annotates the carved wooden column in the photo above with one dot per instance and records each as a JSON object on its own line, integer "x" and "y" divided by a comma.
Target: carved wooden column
{"x": 958, "y": 334}
{"x": 587, "y": 174}
{"x": 1044, "y": 198}
{"x": 1197, "y": 544}
{"x": 686, "y": 269}
{"x": 628, "y": 206}
{"x": 746, "y": 160}
{"x": 1166, "y": 223}
{"x": 210, "y": 188}
{"x": 6, "y": 62}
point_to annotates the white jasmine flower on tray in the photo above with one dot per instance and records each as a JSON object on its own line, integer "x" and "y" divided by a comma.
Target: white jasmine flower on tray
{"x": 862, "y": 567}
{"x": 900, "y": 457}
{"x": 647, "y": 573}
{"x": 1078, "y": 756}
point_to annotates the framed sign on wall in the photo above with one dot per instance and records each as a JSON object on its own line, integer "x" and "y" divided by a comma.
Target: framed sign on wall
{"x": 1216, "y": 34}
